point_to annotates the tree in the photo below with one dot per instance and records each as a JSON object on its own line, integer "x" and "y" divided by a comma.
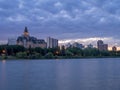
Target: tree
{"x": 21, "y": 55}
{"x": 91, "y": 52}
{"x": 68, "y": 53}
{"x": 76, "y": 51}
{"x": 35, "y": 55}
{"x": 49, "y": 55}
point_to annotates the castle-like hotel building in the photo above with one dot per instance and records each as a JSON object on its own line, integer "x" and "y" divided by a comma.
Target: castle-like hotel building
{"x": 28, "y": 41}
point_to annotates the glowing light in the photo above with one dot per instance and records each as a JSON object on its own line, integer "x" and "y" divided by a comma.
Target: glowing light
{"x": 3, "y": 51}
{"x": 3, "y": 61}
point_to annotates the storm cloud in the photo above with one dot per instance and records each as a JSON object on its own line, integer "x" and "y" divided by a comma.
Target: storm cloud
{"x": 62, "y": 19}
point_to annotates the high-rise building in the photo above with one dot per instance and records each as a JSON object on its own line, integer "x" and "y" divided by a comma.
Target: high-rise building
{"x": 12, "y": 41}
{"x": 52, "y": 43}
{"x": 101, "y": 46}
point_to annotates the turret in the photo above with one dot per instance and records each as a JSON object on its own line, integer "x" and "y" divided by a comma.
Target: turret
{"x": 26, "y": 33}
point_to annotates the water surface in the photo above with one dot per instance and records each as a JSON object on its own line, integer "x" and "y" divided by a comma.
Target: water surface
{"x": 74, "y": 74}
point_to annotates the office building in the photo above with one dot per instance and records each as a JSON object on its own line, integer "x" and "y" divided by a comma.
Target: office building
{"x": 52, "y": 43}
{"x": 101, "y": 46}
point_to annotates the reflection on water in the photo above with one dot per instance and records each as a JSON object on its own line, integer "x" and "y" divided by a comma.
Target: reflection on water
{"x": 85, "y": 74}
{"x": 3, "y": 61}
{"x": 3, "y": 75}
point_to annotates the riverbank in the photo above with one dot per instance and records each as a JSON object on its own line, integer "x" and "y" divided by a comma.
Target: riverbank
{"x": 55, "y": 57}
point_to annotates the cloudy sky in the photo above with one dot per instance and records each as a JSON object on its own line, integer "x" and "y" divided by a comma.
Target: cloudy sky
{"x": 84, "y": 21}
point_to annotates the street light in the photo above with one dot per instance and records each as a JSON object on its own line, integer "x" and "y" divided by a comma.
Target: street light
{"x": 3, "y": 51}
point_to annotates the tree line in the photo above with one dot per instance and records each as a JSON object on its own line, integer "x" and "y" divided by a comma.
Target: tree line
{"x": 34, "y": 53}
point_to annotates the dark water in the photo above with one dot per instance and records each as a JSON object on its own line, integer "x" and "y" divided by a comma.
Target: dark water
{"x": 84, "y": 74}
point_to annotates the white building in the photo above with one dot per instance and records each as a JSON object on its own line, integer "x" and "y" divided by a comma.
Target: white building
{"x": 52, "y": 43}
{"x": 12, "y": 41}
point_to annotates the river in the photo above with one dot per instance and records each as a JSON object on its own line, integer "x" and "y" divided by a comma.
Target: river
{"x": 73, "y": 74}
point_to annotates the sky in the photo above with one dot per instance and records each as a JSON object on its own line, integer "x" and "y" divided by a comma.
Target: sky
{"x": 84, "y": 21}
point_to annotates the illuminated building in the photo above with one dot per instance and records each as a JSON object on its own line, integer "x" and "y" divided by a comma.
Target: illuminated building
{"x": 28, "y": 41}
{"x": 26, "y": 33}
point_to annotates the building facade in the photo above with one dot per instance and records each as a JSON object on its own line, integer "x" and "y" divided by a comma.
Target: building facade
{"x": 101, "y": 46}
{"x": 78, "y": 45}
{"x": 52, "y": 43}
{"x": 28, "y": 41}
{"x": 12, "y": 41}
{"x": 114, "y": 48}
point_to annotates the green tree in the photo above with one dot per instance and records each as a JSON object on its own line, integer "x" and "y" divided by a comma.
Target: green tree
{"x": 21, "y": 55}
{"x": 35, "y": 55}
{"x": 49, "y": 55}
{"x": 76, "y": 51}
{"x": 68, "y": 53}
{"x": 91, "y": 52}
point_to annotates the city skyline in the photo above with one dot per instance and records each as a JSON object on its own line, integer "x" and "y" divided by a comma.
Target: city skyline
{"x": 83, "y": 21}
{"x": 85, "y": 42}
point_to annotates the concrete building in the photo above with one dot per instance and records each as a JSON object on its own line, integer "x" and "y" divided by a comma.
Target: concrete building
{"x": 101, "y": 46}
{"x": 28, "y": 41}
{"x": 114, "y": 48}
{"x": 12, "y": 41}
{"x": 52, "y": 43}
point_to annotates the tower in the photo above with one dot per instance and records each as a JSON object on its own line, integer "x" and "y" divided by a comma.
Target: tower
{"x": 26, "y": 33}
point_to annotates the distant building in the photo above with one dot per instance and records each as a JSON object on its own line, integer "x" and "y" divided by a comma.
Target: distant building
{"x": 68, "y": 45}
{"x": 52, "y": 43}
{"x": 78, "y": 45}
{"x": 28, "y": 41}
{"x": 101, "y": 46}
{"x": 40, "y": 43}
{"x": 114, "y": 48}
{"x": 90, "y": 46}
{"x": 75, "y": 44}
{"x": 12, "y": 41}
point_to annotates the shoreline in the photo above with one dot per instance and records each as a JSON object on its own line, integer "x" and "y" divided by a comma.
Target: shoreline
{"x": 58, "y": 57}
